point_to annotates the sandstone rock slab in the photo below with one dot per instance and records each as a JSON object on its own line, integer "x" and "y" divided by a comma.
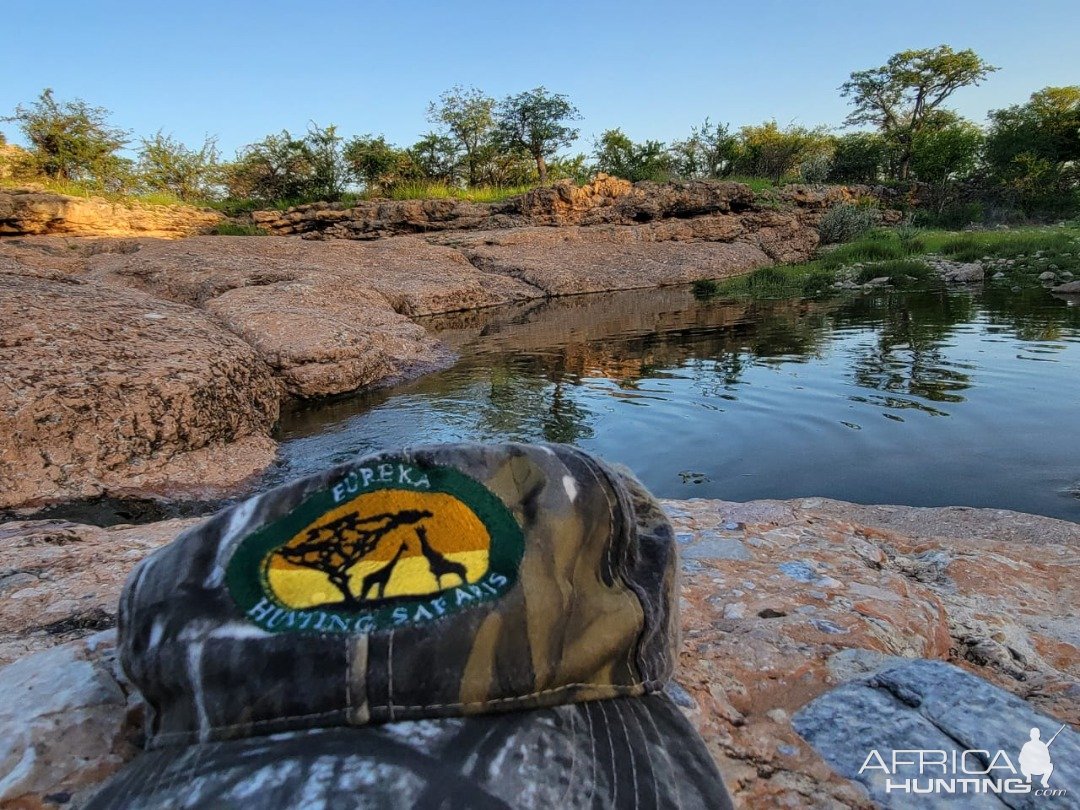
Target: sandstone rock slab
{"x": 574, "y": 260}
{"x": 933, "y": 706}
{"x": 328, "y": 317}
{"x": 833, "y": 591}
{"x": 60, "y": 581}
{"x": 26, "y": 212}
{"x": 108, "y": 391}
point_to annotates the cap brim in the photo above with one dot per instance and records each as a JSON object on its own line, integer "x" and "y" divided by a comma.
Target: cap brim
{"x": 623, "y": 752}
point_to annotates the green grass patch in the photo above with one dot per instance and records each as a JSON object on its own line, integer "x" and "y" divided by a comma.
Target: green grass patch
{"x": 969, "y": 247}
{"x": 757, "y": 184}
{"x": 867, "y": 249}
{"x": 784, "y": 281}
{"x": 72, "y": 189}
{"x": 441, "y": 191}
{"x": 900, "y": 272}
{"x": 896, "y": 254}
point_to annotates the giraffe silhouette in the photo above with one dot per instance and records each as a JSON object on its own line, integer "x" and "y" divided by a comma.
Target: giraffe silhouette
{"x": 439, "y": 564}
{"x": 380, "y": 577}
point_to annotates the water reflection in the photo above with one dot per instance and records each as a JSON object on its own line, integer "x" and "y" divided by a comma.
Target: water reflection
{"x": 843, "y": 398}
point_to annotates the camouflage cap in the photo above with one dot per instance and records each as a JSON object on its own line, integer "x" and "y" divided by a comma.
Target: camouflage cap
{"x": 449, "y": 625}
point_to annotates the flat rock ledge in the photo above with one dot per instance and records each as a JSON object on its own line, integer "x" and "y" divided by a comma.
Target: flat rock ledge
{"x": 142, "y": 367}
{"x": 31, "y": 212}
{"x": 783, "y": 602}
{"x": 107, "y": 390}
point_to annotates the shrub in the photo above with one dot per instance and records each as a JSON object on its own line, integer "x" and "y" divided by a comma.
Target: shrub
{"x": 951, "y": 216}
{"x": 705, "y": 288}
{"x": 815, "y": 169}
{"x": 768, "y": 151}
{"x": 767, "y": 279}
{"x": 73, "y": 141}
{"x": 844, "y": 223}
{"x": 816, "y": 282}
{"x": 166, "y": 165}
{"x": 859, "y": 157}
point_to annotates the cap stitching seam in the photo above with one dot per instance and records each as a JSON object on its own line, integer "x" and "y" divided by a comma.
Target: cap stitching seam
{"x": 619, "y": 689}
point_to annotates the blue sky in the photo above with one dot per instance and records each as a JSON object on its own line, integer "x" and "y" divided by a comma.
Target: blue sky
{"x": 241, "y": 70}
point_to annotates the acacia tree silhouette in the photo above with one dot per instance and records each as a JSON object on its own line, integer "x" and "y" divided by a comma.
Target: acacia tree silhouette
{"x": 337, "y": 546}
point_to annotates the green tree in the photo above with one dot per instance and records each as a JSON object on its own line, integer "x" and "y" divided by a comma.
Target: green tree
{"x": 900, "y": 97}
{"x": 435, "y": 158}
{"x": 468, "y": 117}
{"x": 283, "y": 168}
{"x": 574, "y": 168}
{"x": 945, "y": 155}
{"x": 535, "y": 122}
{"x": 330, "y": 172}
{"x": 616, "y": 154}
{"x": 379, "y": 165}
{"x": 167, "y": 165}
{"x": 768, "y": 151}
{"x": 709, "y": 152}
{"x": 279, "y": 167}
{"x": 859, "y": 157}
{"x": 507, "y": 167}
{"x": 71, "y": 140}
{"x": 1033, "y": 149}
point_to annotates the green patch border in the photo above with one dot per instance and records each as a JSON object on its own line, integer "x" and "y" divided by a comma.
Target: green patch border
{"x": 245, "y": 574}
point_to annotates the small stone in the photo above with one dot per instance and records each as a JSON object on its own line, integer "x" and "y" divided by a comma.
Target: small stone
{"x": 799, "y": 571}
{"x": 735, "y": 610}
{"x": 825, "y": 626}
{"x": 680, "y": 696}
{"x": 716, "y": 548}
{"x": 777, "y": 715}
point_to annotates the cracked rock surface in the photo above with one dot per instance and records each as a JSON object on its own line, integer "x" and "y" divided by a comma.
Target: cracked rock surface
{"x": 110, "y": 391}
{"x": 930, "y": 705}
{"x": 782, "y": 602}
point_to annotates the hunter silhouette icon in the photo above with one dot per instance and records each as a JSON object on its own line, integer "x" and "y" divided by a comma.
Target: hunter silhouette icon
{"x": 1035, "y": 757}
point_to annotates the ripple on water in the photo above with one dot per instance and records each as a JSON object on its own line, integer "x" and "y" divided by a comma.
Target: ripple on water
{"x": 741, "y": 400}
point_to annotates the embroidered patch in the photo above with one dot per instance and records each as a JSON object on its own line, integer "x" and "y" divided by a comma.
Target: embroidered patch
{"x": 388, "y": 545}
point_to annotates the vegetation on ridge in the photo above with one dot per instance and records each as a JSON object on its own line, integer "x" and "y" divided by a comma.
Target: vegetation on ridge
{"x": 1024, "y": 164}
{"x": 901, "y": 255}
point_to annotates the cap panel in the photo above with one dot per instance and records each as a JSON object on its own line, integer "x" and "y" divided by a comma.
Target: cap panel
{"x": 653, "y": 574}
{"x": 569, "y": 630}
{"x": 211, "y": 667}
{"x": 622, "y": 753}
{"x": 583, "y": 622}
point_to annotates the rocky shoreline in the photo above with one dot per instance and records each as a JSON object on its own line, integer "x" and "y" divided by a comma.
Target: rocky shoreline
{"x": 140, "y": 367}
{"x": 150, "y": 368}
{"x": 783, "y": 601}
